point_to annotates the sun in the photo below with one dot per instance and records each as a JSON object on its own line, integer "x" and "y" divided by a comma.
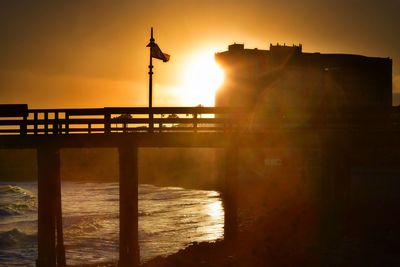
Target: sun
{"x": 202, "y": 77}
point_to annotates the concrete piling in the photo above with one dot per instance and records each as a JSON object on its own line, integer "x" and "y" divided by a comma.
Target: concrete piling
{"x": 128, "y": 209}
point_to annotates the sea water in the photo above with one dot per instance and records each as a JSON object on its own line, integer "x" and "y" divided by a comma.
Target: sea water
{"x": 170, "y": 218}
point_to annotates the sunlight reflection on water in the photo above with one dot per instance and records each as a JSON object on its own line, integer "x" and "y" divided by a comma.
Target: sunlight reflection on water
{"x": 170, "y": 219}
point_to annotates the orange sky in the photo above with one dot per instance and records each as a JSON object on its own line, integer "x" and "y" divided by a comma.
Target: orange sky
{"x": 93, "y": 54}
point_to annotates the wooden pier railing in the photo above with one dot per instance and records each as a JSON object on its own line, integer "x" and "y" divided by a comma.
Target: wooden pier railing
{"x": 19, "y": 120}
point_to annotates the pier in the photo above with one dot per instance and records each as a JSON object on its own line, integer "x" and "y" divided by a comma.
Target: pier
{"x": 344, "y": 139}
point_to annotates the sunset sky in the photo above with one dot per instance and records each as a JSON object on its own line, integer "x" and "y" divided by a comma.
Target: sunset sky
{"x": 93, "y": 53}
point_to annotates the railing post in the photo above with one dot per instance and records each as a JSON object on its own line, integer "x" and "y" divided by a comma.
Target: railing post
{"x": 128, "y": 206}
{"x": 55, "y": 124}
{"x": 46, "y": 122}
{"x": 107, "y": 122}
{"x": 151, "y": 120}
{"x": 23, "y": 126}
{"x": 160, "y": 125}
{"x": 35, "y": 122}
{"x": 195, "y": 121}
{"x": 66, "y": 122}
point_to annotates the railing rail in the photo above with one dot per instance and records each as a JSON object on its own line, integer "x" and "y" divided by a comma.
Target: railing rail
{"x": 19, "y": 120}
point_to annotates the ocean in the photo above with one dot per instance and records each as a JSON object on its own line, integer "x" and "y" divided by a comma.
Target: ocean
{"x": 170, "y": 218}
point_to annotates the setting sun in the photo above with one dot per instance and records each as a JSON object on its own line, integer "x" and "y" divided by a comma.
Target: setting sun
{"x": 202, "y": 77}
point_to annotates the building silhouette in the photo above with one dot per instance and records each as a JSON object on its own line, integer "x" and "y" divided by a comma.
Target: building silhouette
{"x": 284, "y": 79}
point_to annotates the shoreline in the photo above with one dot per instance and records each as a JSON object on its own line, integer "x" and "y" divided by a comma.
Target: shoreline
{"x": 282, "y": 227}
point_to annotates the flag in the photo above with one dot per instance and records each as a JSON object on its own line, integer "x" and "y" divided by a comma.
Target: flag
{"x": 157, "y": 53}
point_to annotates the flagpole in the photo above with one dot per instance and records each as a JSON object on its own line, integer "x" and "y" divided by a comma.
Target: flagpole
{"x": 151, "y": 82}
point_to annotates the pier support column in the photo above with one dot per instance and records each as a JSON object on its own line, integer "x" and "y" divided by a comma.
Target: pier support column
{"x": 230, "y": 194}
{"x": 49, "y": 208}
{"x": 128, "y": 206}
{"x": 60, "y": 249}
{"x": 336, "y": 180}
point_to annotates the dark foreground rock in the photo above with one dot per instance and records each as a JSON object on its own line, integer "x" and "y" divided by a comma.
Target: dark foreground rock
{"x": 197, "y": 254}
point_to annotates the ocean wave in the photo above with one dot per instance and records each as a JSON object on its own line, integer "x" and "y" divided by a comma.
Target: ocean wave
{"x": 169, "y": 219}
{"x": 16, "y": 238}
{"x": 8, "y": 211}
{"x": 7, "y": 189}
{"x": 15, "y": 200}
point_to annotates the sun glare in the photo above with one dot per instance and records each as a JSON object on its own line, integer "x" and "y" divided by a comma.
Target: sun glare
{"x": 215, "y": 209}
{"x": 202, "y": 77}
